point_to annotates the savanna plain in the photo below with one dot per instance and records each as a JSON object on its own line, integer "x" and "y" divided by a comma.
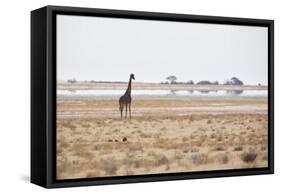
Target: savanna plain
{"x": 166, "y": 134}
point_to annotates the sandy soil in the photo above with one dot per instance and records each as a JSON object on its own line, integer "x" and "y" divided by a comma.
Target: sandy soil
{"x": 165, "y": 134}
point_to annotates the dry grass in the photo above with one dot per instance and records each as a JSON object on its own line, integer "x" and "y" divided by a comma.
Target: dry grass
{"x": 219, "y": 148}
{"x": 199, "y": 159}
{"x": 238, "y": 148}
{"x": 164, "y": 135}
{"x": 109, "y": 166}
{"x": 161, "y": 160}
{"x": 224, "y": 159}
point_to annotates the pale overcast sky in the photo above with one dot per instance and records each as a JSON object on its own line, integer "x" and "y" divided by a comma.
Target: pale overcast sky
{"x": 109, "y": 49}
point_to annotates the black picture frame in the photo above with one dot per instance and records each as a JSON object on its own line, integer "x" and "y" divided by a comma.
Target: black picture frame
{"x": 43, "y": 95}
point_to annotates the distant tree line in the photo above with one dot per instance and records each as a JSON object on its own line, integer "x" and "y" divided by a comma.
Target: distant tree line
{"x": 172, "y": 79}
{"x": 232, "y": 81}
{"x": 72, "y": 81}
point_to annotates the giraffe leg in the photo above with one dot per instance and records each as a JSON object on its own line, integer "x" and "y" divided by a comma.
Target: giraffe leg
{"x": 126, "y": 110}
{"x": 130, "y": 110}
{"x": 121, "y": 111}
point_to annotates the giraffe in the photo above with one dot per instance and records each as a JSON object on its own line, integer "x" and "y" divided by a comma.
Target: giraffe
{"x": 126, "y": 99}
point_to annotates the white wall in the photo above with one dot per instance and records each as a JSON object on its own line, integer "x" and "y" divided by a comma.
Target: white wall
{"x": 15, "y": 94}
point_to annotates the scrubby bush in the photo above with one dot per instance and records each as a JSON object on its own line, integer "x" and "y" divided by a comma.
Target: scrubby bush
{"x": 249, "y": 157}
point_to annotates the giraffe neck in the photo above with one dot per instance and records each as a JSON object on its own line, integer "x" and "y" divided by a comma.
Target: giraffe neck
{"x": 128, "y": 91}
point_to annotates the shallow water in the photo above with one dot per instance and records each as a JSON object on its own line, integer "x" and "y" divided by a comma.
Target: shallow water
{"x": 195, "y": 93}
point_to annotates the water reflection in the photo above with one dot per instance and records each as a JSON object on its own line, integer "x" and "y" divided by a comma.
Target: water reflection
{"x": 234, "y": 92}
{"x": 72, "y": 91}
{"x": 173, "y": 92}
{"x": 188, "y": 93}
{"x": 205, "y": 91}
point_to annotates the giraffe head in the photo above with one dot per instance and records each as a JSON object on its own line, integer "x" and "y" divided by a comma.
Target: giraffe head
{"x": 132, "y": 76}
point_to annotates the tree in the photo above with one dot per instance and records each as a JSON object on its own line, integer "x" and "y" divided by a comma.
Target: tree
{"x": 172, "y": 79}
{"x": 72, "y": 81}
{"x": 233, "y": 81}
{"x": 215, "y": 83}
{"x": 204, "y": 82}
{"x": 236, "y": 81}
{"x": 190, "y": 82}
{"x": 226, "y": 82}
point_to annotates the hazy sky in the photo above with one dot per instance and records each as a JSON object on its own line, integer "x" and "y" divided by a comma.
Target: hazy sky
{"x": 109, "y": 49}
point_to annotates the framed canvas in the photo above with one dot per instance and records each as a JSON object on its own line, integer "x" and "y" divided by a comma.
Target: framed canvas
{"x": 127, "y": 96}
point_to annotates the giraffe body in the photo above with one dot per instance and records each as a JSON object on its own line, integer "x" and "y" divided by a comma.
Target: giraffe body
{"x": 126, "y": 99}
